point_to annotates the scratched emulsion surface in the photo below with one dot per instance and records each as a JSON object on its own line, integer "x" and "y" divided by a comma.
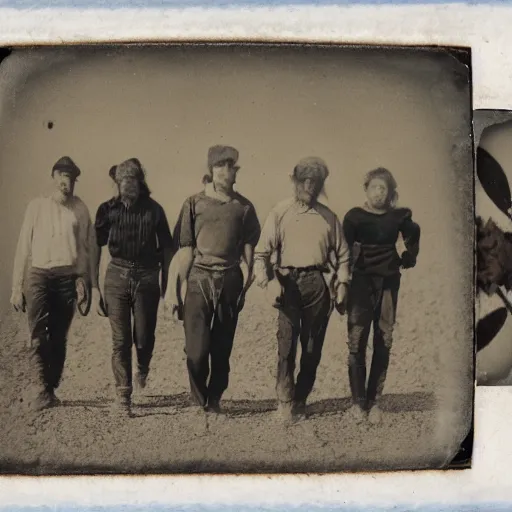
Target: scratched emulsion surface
{"x": 356, "y": 108}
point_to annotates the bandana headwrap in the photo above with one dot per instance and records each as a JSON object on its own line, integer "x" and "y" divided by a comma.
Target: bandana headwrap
{"x": 311, "y": 167}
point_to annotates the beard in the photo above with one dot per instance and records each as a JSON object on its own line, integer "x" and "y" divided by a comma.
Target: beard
{"x": 129, "y": 192}
{"x": 307, "y": 198}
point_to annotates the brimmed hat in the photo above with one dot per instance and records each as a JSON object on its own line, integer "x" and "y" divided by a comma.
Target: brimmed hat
{"x": 130, "y": 168}
{"x": 311, "y": 167}
{"x": 218, "y": 154}
{"x": 66, "y": 164}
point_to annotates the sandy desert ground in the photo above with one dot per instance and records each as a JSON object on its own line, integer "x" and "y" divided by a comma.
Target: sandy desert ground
{"x": 165, "y": 435}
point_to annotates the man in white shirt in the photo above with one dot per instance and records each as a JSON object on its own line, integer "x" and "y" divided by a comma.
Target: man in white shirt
{"x": 58, "y": 239}
{"x": 306, "y": 240}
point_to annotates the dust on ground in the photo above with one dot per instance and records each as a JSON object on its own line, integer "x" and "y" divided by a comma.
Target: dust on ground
{"x": 166, "y": 435}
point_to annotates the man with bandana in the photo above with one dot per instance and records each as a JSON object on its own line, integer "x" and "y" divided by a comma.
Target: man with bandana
{"x": 305, "y": 239}
{"x": 137, "y": 233}
{"x": 218, "y": 229}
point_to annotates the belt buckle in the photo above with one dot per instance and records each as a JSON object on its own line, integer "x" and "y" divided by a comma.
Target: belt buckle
{"x": 217, "y": 273}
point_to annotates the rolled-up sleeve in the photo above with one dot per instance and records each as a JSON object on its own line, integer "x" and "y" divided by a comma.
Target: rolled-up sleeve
{"x": 102, "y": 225}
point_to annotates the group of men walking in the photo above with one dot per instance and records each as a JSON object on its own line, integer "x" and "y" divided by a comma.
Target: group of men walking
{"x": 309, "y": 262}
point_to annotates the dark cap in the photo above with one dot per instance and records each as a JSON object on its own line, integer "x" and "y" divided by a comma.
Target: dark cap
{"x": 311, "y": 167}
{"x": 130, "y": 168}
{"x": 66, "y": 164}
{"x": 218, "y": 154}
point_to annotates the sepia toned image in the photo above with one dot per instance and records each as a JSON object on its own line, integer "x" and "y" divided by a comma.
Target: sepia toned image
{"x": 235, "y": 258}
{"x": 493, "y": 208}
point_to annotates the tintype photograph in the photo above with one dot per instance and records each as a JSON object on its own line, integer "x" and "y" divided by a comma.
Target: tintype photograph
{"x": 493, "y": 209}
{"x": 235, "y": 258}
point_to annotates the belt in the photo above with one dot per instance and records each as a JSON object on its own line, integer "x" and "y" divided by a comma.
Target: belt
{"x": 297, "y": 271}
{"x": 135, "y": 265}
{"x": 217, "y": 268}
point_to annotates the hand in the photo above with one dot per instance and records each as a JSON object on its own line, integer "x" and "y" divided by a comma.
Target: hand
{"x": 261, "y": 281}
{"x": 99, "y": 304}
{"x": 163, "y": 289}
{"x": 241, "y": 301}
{"x": 407, "y": 261}
{"x": 341, "y": 298}
{"x": 18, "y": 301}
{"x": 172, "y": 312}
{"x": 274, "y": 293}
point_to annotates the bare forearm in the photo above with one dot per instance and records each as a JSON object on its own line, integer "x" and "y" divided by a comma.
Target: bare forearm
{"x": 95, "y": 267}
{"x": 261, "y": 268}
{"x": 179, "y": 269}
{"x": 248, "y": 258}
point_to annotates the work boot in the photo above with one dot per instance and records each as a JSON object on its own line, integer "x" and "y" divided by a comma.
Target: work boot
{"x": 54, "y": 400}
{"x": 42, "y": 400}
{"x": 375, "y": 415}
{"x": 122, "y": 406}
{"x": 356, "y": 413}
{"x": 214, "y": 406}
{"x": 285, "y": 412}
{"x": 140, "y": 380}
{"x": 299, "y": 411}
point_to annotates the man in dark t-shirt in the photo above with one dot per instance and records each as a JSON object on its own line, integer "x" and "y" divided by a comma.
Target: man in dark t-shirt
{"x": 219, "y": 229}
{"x": 372, "y": 233}
{"x": 137, "y": 233}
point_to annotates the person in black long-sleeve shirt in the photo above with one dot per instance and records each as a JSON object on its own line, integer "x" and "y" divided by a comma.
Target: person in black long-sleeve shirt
{"x": 372, "y": 233}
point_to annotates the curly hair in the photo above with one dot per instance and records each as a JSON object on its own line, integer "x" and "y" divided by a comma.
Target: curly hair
{"x": 386, "y": 175}
{"x": 134, "y": 164}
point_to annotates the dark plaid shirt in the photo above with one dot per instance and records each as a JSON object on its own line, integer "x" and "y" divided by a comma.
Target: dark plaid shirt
{"x": 137, "y": 233}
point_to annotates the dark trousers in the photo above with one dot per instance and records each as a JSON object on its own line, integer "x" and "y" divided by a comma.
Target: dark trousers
{"x": 210, "y": 320}
{"x": 371, "y": 300}
{"x": 304, "y": 313}
{"x": 51, "y": 301}
{"x": 131, "y": 292}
